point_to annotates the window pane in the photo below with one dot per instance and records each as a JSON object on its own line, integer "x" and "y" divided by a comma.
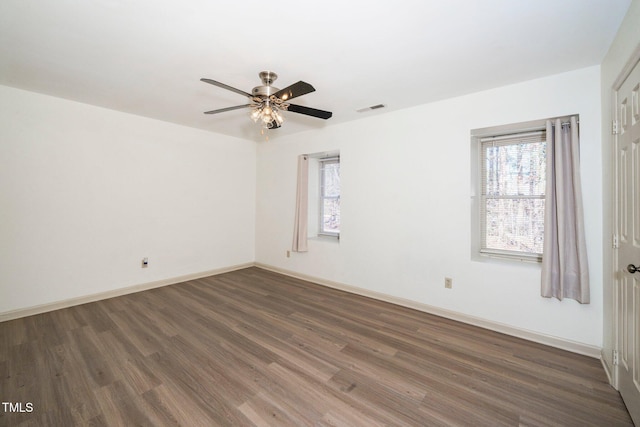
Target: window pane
{"x": 330, "y": 197}
{"x": 515, "y": 169}
{"x": 331, "y": 178}
{"x": 331, "y": 215}
{"x": 515, "y": 225}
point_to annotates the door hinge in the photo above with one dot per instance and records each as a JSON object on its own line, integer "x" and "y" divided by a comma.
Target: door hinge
{"x": 614, "y": 127}
{"x": 615, "y": 242}
{"x": 616, "y": 359}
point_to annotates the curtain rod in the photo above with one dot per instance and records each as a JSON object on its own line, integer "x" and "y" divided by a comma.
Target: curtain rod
{"x": 323, "y": 156}
{"x": 566, "y": 123}
{"x": 513, "y": 135}
{"x": 526, "y": 133}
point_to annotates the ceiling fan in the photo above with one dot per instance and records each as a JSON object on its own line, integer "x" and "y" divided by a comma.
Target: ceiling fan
{"x": 268, "y": 101}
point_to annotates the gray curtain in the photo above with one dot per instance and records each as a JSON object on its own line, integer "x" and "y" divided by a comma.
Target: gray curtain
{"x": 565, "y": 273}
{"x": 300, "y": 228}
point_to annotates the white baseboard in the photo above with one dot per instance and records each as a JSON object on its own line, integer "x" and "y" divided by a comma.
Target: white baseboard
{"x": 43, "y": 308}
{"x": 561, "y": 343}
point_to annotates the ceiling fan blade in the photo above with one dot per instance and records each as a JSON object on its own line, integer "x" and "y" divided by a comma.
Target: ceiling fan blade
{"x": 224, "y": 86}
{"x": 295, "y": 90}
{"x": 310, "y": 111}
{"x": 222, "y": 110}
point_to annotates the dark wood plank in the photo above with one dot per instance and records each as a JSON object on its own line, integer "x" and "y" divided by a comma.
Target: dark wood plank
{"x": 256, "y": 348}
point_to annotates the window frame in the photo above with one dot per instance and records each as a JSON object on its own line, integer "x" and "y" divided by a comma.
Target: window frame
{"x": 479, "y": 251}
{"x": 322, "y": 162}
{"x": 505, "y": 141}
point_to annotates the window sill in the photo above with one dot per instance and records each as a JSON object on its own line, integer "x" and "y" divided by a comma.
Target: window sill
{"x": 325, "y": 238}
{"x": 505, "y": 258}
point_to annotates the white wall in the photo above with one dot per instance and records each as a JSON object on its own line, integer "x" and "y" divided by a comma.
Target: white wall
{"x": 86, "y": 193}
{"x": 625, "y": 46}
{"x": 406, "y": 223}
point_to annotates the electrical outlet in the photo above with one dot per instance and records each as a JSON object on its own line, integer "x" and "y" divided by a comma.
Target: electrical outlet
{"x": 145, "y": 262}
{"x": 288, "y": 254}
{"x": 448, "y": 282}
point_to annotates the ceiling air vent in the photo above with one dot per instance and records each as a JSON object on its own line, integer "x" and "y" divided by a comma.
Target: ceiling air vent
{"x": 373, "y": 107}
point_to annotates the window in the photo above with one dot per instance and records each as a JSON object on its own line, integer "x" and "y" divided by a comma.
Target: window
{"x": 512, "y": 194}
{"x": 324, "y": 195}
{"x": 329, "y": 202}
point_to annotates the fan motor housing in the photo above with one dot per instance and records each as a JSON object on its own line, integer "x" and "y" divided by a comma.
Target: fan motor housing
{"x": 264, "y": 91}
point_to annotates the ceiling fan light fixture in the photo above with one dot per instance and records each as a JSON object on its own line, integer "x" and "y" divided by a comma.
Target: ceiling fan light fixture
{"x": 268, "y": 113}
{"x": 255, "y": 114}
{"x": 267, "y": 118}
{"x": 278, "y": 118}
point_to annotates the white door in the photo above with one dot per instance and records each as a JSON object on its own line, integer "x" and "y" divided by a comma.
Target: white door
{"x": 628, "y": 257}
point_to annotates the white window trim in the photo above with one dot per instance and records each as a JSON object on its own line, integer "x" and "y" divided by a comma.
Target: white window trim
{"x": 315, "y": 209}
{"x": 478, "y": 253}
{"x": 321, "y": 232}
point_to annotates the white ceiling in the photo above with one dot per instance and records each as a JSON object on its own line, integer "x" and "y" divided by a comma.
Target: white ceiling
{"x": 146, "y": 57}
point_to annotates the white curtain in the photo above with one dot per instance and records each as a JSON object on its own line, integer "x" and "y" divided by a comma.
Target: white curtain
{"x": 565, "y": 273}
{"x": 302, "y": 205}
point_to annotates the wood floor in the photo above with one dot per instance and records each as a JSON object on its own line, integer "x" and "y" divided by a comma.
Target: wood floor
{"x": 252, "y": 347}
